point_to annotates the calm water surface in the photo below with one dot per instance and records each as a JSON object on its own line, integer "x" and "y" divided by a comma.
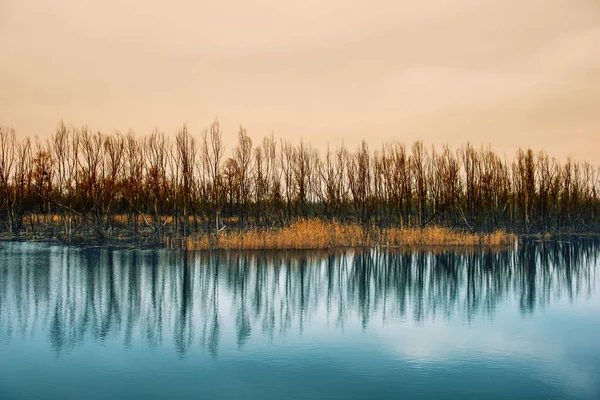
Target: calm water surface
{"x": 90, "y": 323}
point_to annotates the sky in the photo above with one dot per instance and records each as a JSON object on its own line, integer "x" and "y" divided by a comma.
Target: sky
{"x": 493, "y": 72}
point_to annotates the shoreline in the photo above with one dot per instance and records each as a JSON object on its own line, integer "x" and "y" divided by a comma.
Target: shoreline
{"x": 314, "y": 234}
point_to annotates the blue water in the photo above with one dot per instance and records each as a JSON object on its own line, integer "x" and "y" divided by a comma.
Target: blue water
{"x": 81, "y": 323}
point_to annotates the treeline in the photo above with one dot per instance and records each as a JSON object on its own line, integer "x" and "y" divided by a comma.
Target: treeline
{"x": 80, "y": 182}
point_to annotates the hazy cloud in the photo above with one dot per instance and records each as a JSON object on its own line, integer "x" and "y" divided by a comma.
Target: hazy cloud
{"x": 489, "y": 71}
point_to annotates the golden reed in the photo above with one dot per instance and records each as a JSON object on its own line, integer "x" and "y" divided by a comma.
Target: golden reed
{"x": 318, "y": 234}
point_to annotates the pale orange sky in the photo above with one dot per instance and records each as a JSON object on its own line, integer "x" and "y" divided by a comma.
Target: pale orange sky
{"x": 505, "y": 73}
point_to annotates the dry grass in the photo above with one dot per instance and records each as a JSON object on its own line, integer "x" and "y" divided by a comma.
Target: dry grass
{"x": 437, "y": 236}
{"x": 318, "y": 234}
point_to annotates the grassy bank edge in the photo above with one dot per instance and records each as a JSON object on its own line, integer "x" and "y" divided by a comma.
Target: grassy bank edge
{"x": 312, "y": 234}
{"x": 315, "y": 234}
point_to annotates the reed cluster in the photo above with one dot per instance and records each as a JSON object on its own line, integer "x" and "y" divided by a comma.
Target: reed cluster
{"x": 321, "y": 234}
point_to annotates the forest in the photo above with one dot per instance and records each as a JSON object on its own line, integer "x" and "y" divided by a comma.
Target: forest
{"x": 80, "y": 183}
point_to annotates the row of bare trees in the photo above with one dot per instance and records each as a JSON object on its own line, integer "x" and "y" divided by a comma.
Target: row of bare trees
{"x": 81, "y": 182}
{"x": 184, "y": 297}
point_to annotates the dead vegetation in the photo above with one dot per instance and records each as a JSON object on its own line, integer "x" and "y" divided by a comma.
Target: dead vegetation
{"x": 319, "y": 234}
{"x": 85, "y": 185}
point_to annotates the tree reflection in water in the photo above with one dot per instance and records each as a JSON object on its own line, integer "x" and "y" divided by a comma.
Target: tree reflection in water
{"x": 191, "y": 298}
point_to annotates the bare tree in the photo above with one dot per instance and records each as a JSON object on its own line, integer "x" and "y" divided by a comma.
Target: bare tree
{"x": 8, "y": 146}
{"x": 242, "y": 155}
{"x": 186, "y": 160}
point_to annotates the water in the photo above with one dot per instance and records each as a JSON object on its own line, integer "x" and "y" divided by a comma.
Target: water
{"x": 91, "y": 323}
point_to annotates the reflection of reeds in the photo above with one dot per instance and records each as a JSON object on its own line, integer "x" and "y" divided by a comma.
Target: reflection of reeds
{"x": 319, "y": 234}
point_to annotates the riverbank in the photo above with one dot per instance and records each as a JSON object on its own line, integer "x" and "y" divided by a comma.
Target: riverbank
{"x": 311, "y": 234}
